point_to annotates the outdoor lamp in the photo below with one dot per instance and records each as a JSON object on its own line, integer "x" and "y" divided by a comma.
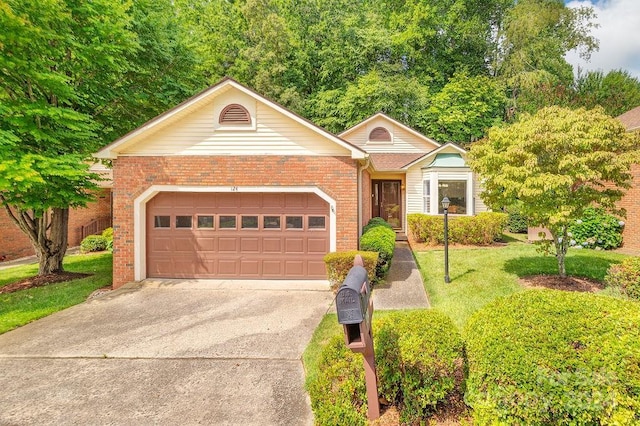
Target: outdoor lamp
{"x": 445, "y": 207}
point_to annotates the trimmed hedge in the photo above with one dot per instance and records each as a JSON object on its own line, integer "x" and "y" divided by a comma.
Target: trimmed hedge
{"x": 551, "y": 357}
{"x": 376, "y": 221}
{"x": 419, "y": 357}
{"x": 626, "y": 277}
{"x": 338, "y": 393}
{"x": 382, "y": 240}
{"x": 94, "y": 243}
{"x": 482, "y": 229}
{"x": 339, "y": 263}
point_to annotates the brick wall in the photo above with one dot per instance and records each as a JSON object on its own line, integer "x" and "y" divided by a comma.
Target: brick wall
{"x": 336, "y": 176}
{"x": 15, "y": 244}
{"x": 631, "y": 202}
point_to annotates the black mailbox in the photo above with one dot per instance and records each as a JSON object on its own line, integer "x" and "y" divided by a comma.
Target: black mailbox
{"x": 352, "y": 300}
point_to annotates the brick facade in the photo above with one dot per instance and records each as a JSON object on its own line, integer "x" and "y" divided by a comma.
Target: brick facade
{"x": 15, "y": 244}
{"x": 336, "y": 176}
{"x": 631, "y": 203}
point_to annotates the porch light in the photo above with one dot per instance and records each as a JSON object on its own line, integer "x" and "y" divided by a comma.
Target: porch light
{"x": 445, "y": 207}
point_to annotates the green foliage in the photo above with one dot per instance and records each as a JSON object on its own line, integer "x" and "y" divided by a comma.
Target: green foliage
{"x": 419, "y": 361}
{"x": 337, "y": 392}
{"x": 625, "y": 277}
{"x": 93, "y": 243}
{"x": 516, "y": 222}
{"x": 617, "y": 91}
{"x": 339, "y": 263}
{"x": 552, "y": 357}
{"x": 108, "y": 233}
{"x": 596, "y": 230}
{"x": 376, "y": 221}
{"x": 554, "y": 163}
{"x": 380, "y": 239}
{"x": 482, "y": 229}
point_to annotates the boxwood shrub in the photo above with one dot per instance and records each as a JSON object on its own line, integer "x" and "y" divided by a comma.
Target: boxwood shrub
{"x": 339, "y": 263}
{"x": 382, "y": 240}
{"x": 376, "y": 221}
{"x": 482, "y": 229}
{"x": 419, "y": 361}
{"x": 338, "y": 393}
{"x": 626, "y": 277}
{"x": 93, "y": 243}
{"x": 545, "y": 357}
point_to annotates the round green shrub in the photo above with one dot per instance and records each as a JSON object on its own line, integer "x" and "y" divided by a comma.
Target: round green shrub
{"x": 340, "y": 262}
{"x": 626, "y": 277}
{"x": 93, "y": 243}
{"x": 516, "y": 221}
{"x": 544, "y": 357}
{"x": 382, "y": 240}
{"x": 108, "y": 233}
{"x": 338, "y": 393}
{"x": 376, "y": 221}
{"x": 419, "y": 357}
{"x": 596, "y": 230}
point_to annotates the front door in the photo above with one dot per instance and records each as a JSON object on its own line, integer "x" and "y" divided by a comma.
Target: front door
{"x": 387, "y": 201}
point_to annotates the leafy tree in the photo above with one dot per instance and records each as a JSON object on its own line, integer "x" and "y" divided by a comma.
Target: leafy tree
{"x": 57, "y": 60}
{"x": 557, "y": 163}
{"x": 464, "y": 109}
{"x": 617, "y": 91}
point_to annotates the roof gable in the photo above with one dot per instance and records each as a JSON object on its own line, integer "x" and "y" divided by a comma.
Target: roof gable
{"x": 449, "y": 155}
{"x": 631, "y": 119}
{"x": 193, "y": 128}
{"x": 403, "y": 139}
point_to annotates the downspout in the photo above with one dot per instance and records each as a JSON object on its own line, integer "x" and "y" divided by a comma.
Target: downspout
{"x": 361, "y": 169}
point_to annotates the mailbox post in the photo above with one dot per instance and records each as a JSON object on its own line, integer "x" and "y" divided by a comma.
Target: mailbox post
{"x": 355, "y": 310}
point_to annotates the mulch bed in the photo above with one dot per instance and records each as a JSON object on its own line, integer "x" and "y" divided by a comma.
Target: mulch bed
{"x": 40, "y": 281}
{"x": 555, "y": 282}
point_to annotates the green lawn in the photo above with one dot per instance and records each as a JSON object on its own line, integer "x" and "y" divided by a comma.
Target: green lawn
{"x": 479, "y": 275}
{"x": 22, "y": 307}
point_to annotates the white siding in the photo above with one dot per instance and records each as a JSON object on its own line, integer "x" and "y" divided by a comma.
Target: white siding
{"x": 271, "y": 133}
{"x": 479, "y": 205}
{"x": 414, "y": 189}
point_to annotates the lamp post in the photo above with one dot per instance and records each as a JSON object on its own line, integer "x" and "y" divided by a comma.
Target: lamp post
{"x": 445, "y": 207}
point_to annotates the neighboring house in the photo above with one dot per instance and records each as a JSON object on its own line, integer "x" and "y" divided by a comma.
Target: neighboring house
{"x": 93, "y": 218}
{"x": 631, "y": 201}
{"x": 229, "y": 184}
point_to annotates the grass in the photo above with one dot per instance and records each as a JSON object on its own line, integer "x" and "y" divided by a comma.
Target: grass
{"x": 479, "y": 275}
{"x": 22, "y": 307}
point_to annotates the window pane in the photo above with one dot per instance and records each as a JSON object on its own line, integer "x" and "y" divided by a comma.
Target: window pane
{"x": 316, "y": 222}
{"x": 294, "y": 222}
{"x": 427, "y": 196}
{"x": 183, "y": 221}
{"x": 249, "y": 222}
{"x": 271, "y": 222}
{"x": 227, "y": 222}
{"x": 162, "y": 222}
{"x": 205, "y": 221}
{"x": 456, "y": 190}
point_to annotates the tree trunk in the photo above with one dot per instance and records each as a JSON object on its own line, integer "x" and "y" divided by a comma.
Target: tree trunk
{"x": 48, "y": 232}
{"x": 562, "y": 245}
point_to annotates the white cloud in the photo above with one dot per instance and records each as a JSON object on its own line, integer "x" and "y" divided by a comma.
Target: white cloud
{"x": 619, "y": 36}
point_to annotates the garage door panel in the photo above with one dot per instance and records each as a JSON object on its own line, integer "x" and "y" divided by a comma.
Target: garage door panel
{"x": 317, "y": 245}
{"x": 284, "y": 239}
{"x": 272, "y": 245}
{"x": 250, "y": 245}
{"x": 294, "y": 245}
{"x": 228, "y": 244}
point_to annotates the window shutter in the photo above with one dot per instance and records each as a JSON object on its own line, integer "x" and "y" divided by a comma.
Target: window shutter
{"x": 380, "y": 134}
{"x": 235, "y": 114}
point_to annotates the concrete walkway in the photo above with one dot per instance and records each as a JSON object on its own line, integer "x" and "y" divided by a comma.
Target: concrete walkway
{"x": 403, "y": 288}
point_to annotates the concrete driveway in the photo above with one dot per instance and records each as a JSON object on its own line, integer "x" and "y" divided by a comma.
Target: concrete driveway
{"x": 164, "y": 353}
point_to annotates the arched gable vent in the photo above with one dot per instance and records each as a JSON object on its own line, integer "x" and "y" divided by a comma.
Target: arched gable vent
{"x": 380, "y": 134}
{"x": 235, "y": 114}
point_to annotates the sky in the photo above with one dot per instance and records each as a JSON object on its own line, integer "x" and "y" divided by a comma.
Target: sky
{"x": 619, "y": 36}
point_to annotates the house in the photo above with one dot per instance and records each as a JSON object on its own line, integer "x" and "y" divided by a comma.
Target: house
{"x": 229, "y": 184}
{"x": 631, "y": 200}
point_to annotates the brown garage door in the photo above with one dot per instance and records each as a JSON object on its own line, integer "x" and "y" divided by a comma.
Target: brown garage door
{"x": 237, "y": 235}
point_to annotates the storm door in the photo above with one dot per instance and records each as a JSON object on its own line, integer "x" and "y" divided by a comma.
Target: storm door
{"x": 386, "y": 201}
